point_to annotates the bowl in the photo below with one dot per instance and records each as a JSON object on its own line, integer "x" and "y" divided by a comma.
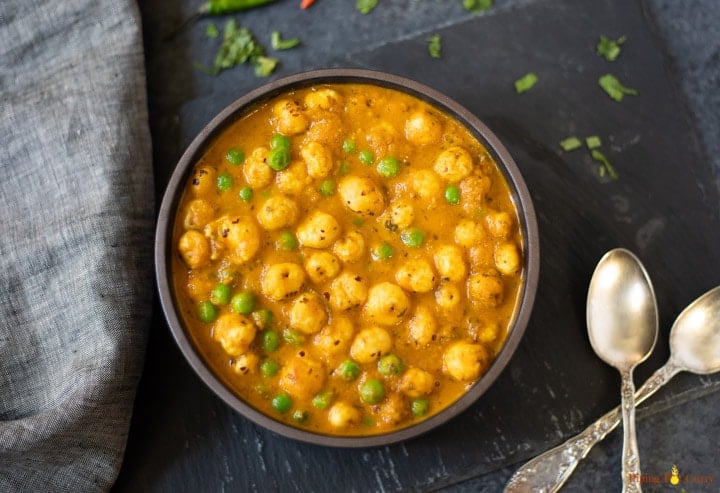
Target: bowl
{"x": 520, "y": 196}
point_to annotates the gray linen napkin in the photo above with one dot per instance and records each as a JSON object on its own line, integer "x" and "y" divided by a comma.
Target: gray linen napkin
{"x": 76, "y": 228}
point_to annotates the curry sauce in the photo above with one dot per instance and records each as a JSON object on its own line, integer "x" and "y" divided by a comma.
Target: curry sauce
{"x": 347, "y": 258}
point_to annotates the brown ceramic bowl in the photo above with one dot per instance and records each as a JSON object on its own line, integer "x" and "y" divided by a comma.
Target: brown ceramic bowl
{"x": 521, "y": 196}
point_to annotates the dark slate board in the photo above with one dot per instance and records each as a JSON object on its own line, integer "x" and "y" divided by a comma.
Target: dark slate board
{"x": 661, "y": 207}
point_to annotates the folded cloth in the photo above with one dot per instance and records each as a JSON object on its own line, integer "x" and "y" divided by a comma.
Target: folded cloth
{"x": 76, "y": 228}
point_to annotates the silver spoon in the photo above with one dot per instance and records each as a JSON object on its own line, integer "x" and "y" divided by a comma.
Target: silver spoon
{"x": 622, "y": 321}
{"x": 694, "y": 347}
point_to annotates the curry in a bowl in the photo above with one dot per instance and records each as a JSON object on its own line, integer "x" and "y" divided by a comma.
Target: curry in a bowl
{"x": 347, "y": 258}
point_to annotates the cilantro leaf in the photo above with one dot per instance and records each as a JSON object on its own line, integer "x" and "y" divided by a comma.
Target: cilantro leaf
{"x": 477, "y": 6}
{"x": 264, "y": 65}
{"x": 435, "y": 45}
{"x": 614, "y": 88}
{"x": 238, "y": 47}
{"x": 526, "y": 82}
{"x": 570, "y": 144}
{"x": 212, "y": 31}
{"x": 365, "y": 6}
{"x": 278, "y": 43}
{"x": 605, "y": 166}
{"x": 593, "y": 142}
{"x": 609, "y": 48}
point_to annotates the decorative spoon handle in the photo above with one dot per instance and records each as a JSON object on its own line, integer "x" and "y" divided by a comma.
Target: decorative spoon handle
{"x": 548, "y": 471}
{"x": 631, "y": 455}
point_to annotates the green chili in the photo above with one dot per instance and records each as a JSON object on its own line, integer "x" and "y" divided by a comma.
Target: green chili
{"x": 222, "y": 7}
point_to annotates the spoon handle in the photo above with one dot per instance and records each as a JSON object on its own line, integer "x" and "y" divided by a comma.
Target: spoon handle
{"x": 631, "y": 455}
{"x": 547, "y": 472}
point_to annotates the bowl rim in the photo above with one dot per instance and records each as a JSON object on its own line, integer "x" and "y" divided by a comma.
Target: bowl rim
{"x": 506, "y": 164}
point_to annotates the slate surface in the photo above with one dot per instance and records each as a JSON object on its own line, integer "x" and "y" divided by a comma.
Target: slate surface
{"x": 662, "y": 206}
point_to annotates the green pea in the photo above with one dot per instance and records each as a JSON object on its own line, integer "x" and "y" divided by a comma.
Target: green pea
{"x": 235, "y": 156}
{"x": 383, "y": 252}
{"x": 452, "y": 194}
{"x": 390, "y": 364}
{"x": 207, "y": 311}
{"x": 225, "y": 181}
{"x": 388, "y": 167}
{"x": 366, "y": 157}
{"x": 344, "y": 168}
{"x": 246, "y": 194}
{"x": 327, "y": 187}
{"x": 269, "y": 368}
{"x": 419, "y": 407}
{"x": 300, "y": 416}
{"x": 279, "y": 158}
{"x": 282, "y": 402}
{"x": 279, "y": 142}
{"x": 269, "y": 340}
{"x": 220, "y": 295}
{"x": 263, "y": 318}
{"x": 323, "y": 399}
{"x": 412, "y": 237}
{"x": 349, "y": 146}
{"x": 358, "y": 221}
{"x": 372, "y": 391}
{"x": 243, "y": 303}
{"x": 262, "y": 389}
{"x": 349, "y": 370}
{"x": 287, "y": 241}
{"x": 293, "y": 337}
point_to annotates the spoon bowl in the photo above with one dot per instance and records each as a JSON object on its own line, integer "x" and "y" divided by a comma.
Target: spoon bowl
{"x": 622, "y": 320}
{"x": 695, "y": 335}
{"x": 622, "y": 314}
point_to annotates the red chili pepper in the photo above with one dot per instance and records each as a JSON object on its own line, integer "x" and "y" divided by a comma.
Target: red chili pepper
{"x": 306, "y": 3}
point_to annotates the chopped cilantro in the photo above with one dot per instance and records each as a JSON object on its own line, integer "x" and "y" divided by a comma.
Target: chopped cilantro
{"x": 476, "y": 6}
{"x": 239, "y": 46}
{"x": 609, "y": 48}
{"x": 593, "y": 142}
{"x": 435, "y": 45}
{"x": 605, "y": 166}
{"x": 526, "y": 82}
{"x": 570, "y": 144}
{"x": 365, "y": 6}
{"x": 264, "y": 65}
{"x": 278, "y": 43}
{"x": 614, "y": 88}
{"x": 212, "y": 31}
